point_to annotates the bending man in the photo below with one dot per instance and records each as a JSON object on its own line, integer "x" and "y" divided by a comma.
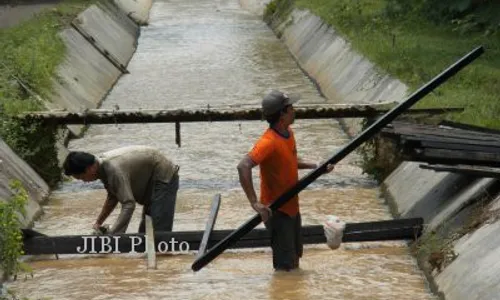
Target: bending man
{"x": 276, "y": 154}
{"x": 133, "y": 174}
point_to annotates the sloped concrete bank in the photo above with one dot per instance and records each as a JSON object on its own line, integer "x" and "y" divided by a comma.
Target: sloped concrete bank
{"x": 14, "y": 168}
{"x": 462, "y": 210}
{"x": 101, "y": 40}
{"x": 99, "y": 45}
{"x": 342, "y": 75}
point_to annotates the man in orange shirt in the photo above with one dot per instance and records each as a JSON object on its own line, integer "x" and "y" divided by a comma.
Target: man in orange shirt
{"x": 276, "y": 154}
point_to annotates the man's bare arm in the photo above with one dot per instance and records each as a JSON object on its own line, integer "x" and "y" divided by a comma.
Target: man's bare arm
{"x": 107, "y": 208}
{"x": 245, "y": 173}
{"x": 305, "y": 165}
{"x": 121, "y": 223}
{"x": 301, "y": 164}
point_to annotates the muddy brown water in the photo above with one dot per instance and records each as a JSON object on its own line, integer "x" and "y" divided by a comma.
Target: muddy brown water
{"x": 194, "y": 54}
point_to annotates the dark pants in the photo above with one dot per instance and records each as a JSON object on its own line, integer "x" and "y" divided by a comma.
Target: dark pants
{"x": 286, "y": 240}
{"x": 162, "y": 206}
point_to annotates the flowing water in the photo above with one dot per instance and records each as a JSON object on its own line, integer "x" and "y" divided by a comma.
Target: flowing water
{"x": 208, "y": 52}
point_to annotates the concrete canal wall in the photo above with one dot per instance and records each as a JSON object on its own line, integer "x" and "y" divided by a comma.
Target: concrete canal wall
{"x": 101, "y": 40}
{"x": 461, "y": 209}
{"x": 14, "y": 168}
{"x": 98, "y": 48}
{"x": 342, "y": 75}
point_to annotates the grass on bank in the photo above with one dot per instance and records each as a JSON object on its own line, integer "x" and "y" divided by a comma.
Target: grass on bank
{"x": 29, "y": 56}
{"x": 411, "y": 47}
{"x": 32, "y": 50}
{"x": 11, "y": 247}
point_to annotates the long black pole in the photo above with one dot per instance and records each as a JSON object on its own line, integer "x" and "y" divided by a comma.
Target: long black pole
{"x": 203, "y": 260}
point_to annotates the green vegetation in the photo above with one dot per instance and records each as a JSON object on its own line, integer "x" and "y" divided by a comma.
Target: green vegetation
{"x": 435, "y": 248}
{"x": 379, "y": 156}
{"x": 416, "y": 41}
{"x": 29, "y": 56}
{"x": 277, "y": 10}
{"x": 11, "y": 213}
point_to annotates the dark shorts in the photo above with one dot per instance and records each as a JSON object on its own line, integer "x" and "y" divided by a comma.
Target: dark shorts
{"x": 286, "y": 240}
{"x": 162, "y": 207}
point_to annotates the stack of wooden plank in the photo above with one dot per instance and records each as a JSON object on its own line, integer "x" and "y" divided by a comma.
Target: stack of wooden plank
{"x": 469, "y": 149}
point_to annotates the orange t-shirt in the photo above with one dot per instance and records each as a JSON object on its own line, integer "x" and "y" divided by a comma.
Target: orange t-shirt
{"x": 277, "y": 158}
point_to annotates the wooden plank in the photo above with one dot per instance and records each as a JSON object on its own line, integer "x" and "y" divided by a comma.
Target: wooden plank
{"x": 406, "y": 233}
{"x": 150, "y": 242}
{"x": 401, "y": 229}
{"x": 409, "y": 146}
{"x": 178, "y": 134}
{"x": 472, "y": 157}
{"x": 212, "y": 217}
{"x": 405, "y": 125}
{"x": 364, "y": 136}
{"x": 29, "y": 233}
{"x": 479, "y": 171}
{"x": 383, "y": 225}
{"x": 99, "y": 116}
{"x": 420, "y": 130}
{"x": 437, "y": 133}
{"x": 461, "y": 147}
{"x": 421, "y": 139}
{"x": 468, "y": 127}
{"x": 450, "y": 161}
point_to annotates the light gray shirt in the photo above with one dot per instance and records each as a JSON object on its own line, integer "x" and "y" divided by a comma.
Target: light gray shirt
{"x": 129, "y": 174}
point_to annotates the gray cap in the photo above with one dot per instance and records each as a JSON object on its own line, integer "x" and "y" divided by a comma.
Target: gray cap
{"x": 276, "y": 101}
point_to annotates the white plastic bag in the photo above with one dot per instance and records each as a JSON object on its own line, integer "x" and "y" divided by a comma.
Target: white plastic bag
{"x": 334, "y": 231}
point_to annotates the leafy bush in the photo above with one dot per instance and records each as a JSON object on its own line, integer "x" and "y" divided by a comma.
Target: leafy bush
{"x": 465, "y": 15}
{"x": 35, "y": 144}
{"x": 277, "y": 10}
{"x": 270, "y": 10}
{"x": 11, "y": 239}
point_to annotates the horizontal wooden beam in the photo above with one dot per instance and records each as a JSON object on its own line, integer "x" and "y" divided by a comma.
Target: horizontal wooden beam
{"x": 401, "y": 229}
{"x": 470, "y": 127}
{"x": 430, "y": 132}
{"x": 427, "y": 141}
{"x": 100, "y": 116}
{"x": 454, "y": 157}
{"x": 479, "y": 171}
